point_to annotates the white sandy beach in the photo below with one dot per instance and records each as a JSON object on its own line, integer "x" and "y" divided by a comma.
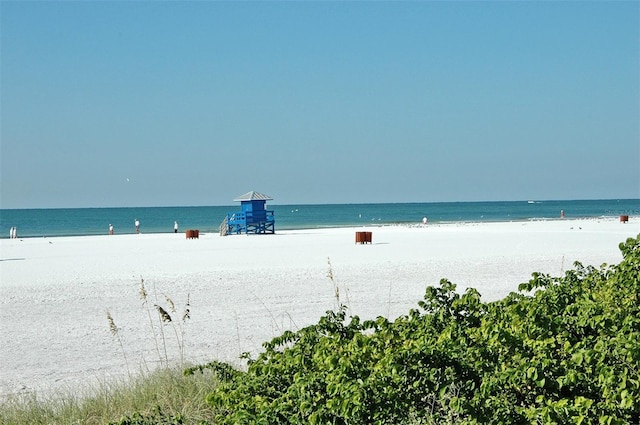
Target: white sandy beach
{"x": 244, "y": 290}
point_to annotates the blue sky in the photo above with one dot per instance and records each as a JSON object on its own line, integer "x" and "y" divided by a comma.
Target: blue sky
{"x": 194, "y": 103}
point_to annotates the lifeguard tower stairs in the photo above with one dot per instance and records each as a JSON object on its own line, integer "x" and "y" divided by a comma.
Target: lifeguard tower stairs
{"x": 254, "y": 218}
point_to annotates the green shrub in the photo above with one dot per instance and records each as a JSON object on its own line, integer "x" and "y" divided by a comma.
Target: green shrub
{"x": 564, "y": 350}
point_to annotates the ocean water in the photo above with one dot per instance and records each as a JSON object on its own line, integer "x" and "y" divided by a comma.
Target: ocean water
{"x": 95, "y": 221}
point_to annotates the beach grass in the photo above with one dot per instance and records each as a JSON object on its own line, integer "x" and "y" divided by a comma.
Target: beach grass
{"x": 163, "y": 396}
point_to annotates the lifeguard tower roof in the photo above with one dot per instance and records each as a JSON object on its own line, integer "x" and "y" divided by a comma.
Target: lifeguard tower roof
{"x": 253, "y": 196}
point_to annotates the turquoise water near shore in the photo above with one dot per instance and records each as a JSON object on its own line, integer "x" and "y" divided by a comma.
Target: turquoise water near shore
{"x": 95, "y": 221}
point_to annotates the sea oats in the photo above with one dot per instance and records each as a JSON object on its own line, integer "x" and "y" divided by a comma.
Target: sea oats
{"x": 142, "y": 291}
{"x": 172, "y": 306}
{"x": 330, "y": 271}
{"x": 112, "y": 325}
{"x": 163, "y": 314}
{"x": 114, "y": 332}
{"x": 187, "y": 312}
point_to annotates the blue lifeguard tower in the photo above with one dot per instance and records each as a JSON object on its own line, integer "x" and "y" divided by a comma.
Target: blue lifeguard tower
{"x": 254, "y": 218}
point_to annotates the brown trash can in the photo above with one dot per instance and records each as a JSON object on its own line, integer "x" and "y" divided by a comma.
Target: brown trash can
{"x": 363, "y": 237}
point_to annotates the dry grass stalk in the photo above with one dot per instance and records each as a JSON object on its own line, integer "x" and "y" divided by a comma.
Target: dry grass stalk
{"x": 185, "y": 316}
{"x": 336, "y": 287}
{"x": 116, "y": 334}
{"x": 142, "y": 291}
{"x": 172, "y": 306}
{"x": 162, "y": 318}
{"x": 187, "y": 312}
{"x": 144, "y": 296}
{"x": 163, "y": 314}
{"x": 112, "y": 325}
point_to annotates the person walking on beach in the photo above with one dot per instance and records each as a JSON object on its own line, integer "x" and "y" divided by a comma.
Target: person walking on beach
{"x": 137, "y": 223}
{"x": 111, "y": 229}
{"x": 175, "y": 227}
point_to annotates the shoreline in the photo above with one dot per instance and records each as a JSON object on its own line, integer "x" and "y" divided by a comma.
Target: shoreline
{"x": 243, "y": 291}
{"x": 372, "y": 224}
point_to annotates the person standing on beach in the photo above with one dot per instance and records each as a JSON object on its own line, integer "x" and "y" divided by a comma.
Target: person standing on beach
{"x": 175, "y": 227}
{"x": 111, "y": 229}
{"x": 137, "y": 223}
